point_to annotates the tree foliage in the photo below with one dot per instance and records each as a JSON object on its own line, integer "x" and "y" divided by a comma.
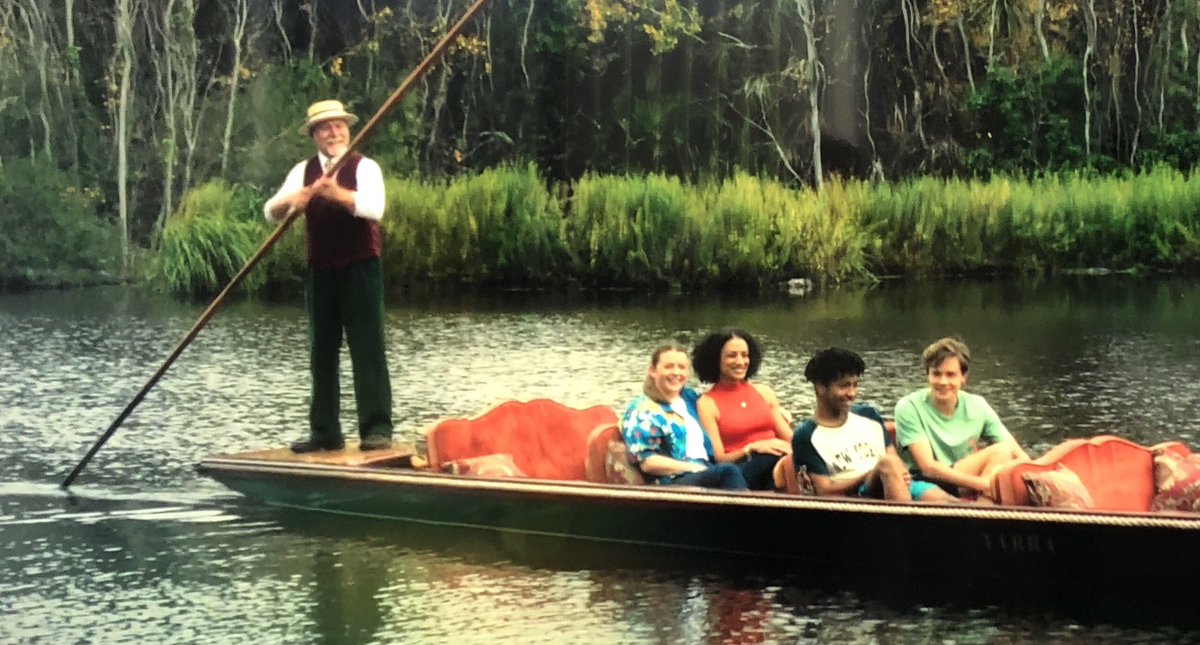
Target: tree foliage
{"x": 52, "y": 233}
{"x": 695, "y": 89}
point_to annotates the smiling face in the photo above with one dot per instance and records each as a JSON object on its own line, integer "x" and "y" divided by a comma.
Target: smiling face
{"x": 735, "y": 360}
{"x": 836, "y": 398}
{"x": 945, "y": 380}
{"x": 670, "y": 373}
{"x": 331, "y": 136}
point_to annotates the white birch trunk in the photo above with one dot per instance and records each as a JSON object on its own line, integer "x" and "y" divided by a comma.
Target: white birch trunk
{"x": 242, "y": 9}
{"x": 124, "y": 53}
{"x": 807, "y": 19}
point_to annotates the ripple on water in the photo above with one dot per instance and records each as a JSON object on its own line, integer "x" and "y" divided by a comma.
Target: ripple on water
{"x": 147, "y": 550}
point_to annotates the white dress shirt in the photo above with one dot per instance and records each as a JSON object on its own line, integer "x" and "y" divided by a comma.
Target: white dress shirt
{"x": 369, "y": 199}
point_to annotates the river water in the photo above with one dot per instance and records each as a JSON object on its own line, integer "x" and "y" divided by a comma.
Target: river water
{"x": 146, "y": 550}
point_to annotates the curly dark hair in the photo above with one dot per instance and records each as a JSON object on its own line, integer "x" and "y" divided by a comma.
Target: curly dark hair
{"x": 706, "y": 357}
{"x": 828, "y": 365}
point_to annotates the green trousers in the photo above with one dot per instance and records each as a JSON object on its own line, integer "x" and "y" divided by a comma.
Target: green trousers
{"x": 349, "y": 300}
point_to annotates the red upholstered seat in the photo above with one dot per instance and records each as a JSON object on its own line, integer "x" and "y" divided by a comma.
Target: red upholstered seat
{"x": 546, "y": 439}
{"x": 1119, "y": 474}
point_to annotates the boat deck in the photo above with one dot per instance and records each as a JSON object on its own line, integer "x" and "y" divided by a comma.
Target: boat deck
{"x": 400, "y": 454}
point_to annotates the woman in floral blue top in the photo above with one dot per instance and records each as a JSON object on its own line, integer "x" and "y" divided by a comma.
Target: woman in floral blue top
{"x": 662, "y": 432}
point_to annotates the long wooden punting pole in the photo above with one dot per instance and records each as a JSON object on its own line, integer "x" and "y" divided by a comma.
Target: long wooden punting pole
{"x": 418, "y": 72}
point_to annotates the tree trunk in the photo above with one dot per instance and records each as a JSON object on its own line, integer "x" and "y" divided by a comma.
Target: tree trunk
{"x": 277, "y": 12}
{"x": 312, "y": 29}
{"x": 962, "y": 32}
{"x": 1039, "y": 17}
{"x": 1089, "y": 22}
{"x": 1135, "y": 36}
{"x": 716, "y": 165}
{"x": 124, "y": 54}
{"x": 164, "y": 63}
{"x": 991, "y": 55}
{"x": 39, "y": 49}
{"x": 807, "y": 19}
{"x": 242, "y": 14}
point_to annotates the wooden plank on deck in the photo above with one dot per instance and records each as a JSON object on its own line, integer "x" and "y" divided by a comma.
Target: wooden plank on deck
{"x": 348, "y": 456}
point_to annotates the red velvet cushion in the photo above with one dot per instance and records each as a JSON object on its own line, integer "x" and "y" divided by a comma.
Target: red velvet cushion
{"x": 485, "y": 466}
{"x": 1058, "y": 488}
{"x": 1176, "y": 482}
{"x": 547, "y": 440}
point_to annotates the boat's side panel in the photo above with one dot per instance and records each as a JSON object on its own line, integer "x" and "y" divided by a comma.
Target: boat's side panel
{"x": 850, "y": 538}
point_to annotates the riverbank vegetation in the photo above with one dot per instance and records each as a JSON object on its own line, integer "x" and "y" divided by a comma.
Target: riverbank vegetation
{"x": 510, "y": 227}
{"x": 140, "y": 103}
{"x": 50, "y": 232}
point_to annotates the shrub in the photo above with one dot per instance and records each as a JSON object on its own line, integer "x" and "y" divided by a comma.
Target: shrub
{"x": 52, "y": 233}
{"x": 209, "y": 239}
{"x": 628, "y": 230}
{"x": 499, "y": 227}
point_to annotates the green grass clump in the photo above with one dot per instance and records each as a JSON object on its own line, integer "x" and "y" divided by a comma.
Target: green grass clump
{"x": 500, "y": 227}
{"x": 631, "y": 230}
{"x": 506, "y": 227}
{"x": 208, "y": 239}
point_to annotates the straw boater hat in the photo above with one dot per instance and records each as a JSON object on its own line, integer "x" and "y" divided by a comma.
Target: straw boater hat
{"x": 324, "y": 111}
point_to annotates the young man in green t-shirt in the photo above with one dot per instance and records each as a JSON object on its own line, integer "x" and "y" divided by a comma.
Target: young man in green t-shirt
{"x": 951, "y": 437}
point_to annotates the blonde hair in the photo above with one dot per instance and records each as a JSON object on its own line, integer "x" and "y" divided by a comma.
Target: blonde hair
{"x": 945, "y": 348}
{"x": 648, "y": 387}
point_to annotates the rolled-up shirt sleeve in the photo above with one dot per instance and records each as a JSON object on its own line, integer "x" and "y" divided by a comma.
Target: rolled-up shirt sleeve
{"x": 642, "y": 438}
{"x": 291, "y": 184}
{"x": 369, "y": 199}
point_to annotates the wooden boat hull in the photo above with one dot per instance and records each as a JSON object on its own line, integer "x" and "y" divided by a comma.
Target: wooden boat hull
{"x": 1025, "y": 547}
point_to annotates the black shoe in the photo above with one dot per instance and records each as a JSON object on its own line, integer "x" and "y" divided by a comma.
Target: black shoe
{"x": 312, "y": 445}
{"x": 375, "y": 442}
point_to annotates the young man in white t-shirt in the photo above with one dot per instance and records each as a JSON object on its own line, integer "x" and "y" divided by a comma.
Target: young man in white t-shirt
{"x": 846, "y": 448}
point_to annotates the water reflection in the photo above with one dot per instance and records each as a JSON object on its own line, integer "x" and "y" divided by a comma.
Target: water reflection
{"x": 346, "y": 607}
{"x": 150, "y": 551}
{"x": 611, "y": 593}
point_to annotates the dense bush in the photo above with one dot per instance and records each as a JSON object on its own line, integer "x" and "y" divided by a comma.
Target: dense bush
{"x": 504, "y": 227}
{"x": 52, "y": 235}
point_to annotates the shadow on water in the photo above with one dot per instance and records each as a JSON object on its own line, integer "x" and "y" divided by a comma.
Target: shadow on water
{"x": 740, "y": 591}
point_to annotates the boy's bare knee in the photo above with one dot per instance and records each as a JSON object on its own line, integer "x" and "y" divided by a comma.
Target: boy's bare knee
{"x": 890, "y": 465}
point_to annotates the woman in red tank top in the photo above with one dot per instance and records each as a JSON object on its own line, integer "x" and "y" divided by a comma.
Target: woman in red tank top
{"x": 743, "y": 420}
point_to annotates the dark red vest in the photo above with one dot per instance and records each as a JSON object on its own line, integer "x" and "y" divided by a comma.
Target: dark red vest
{"x": 336, "y": 238}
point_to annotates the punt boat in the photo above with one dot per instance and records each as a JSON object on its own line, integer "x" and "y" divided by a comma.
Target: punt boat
{"x": 1021, "y": 547}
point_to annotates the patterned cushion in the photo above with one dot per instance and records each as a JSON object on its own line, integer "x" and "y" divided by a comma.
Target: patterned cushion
{"x": 485, "y": 466}
{"x": 1058, "y": 488}
{"x": 617, "y": 467}
{"x": 1176, "y": 482}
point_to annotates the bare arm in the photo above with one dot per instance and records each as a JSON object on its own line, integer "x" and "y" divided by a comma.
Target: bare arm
{"x": 1017, "y": 451}
{"x": 783, "y": 429}
{"x": 663, "y": 466}
{"x": 706, "y": 409}
{"x": 937, "y": 471}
